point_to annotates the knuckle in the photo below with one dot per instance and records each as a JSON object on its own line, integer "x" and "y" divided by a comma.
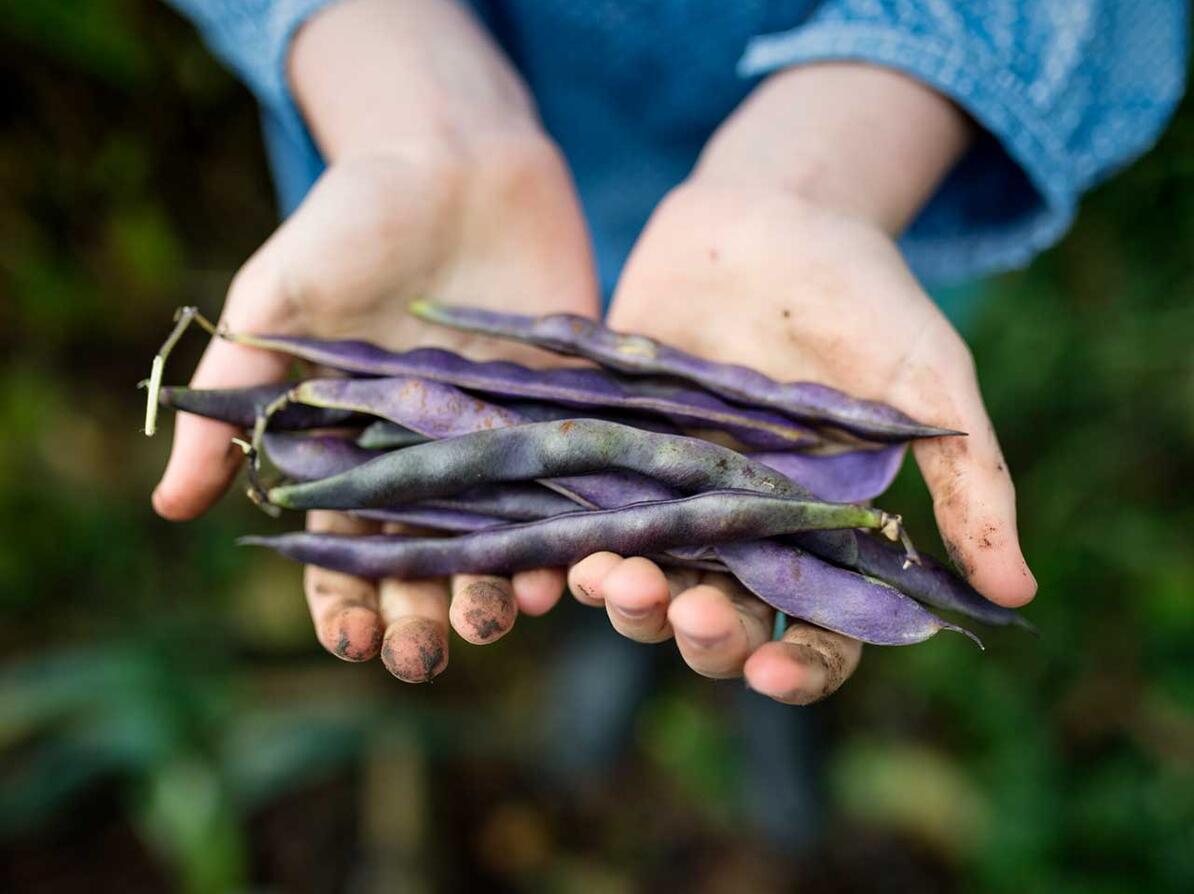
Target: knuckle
{"x": 957, "y": 358}
{"x": 322, "y": 585}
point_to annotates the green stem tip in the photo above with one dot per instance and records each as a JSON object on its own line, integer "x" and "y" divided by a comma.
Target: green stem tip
{"x": 183, "y": 317}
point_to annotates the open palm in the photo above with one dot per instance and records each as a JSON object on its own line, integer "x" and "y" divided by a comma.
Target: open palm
{"x": 763, "y": 278}
{"x": 499, "y": 226}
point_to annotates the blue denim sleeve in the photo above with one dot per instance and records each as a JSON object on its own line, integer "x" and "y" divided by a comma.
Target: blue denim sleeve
{"x": 252, "y": 38}
{"x": 1066, "y": 92}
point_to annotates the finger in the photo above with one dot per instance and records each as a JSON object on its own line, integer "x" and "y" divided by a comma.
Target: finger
{"x": 203, "y": 461}
{"x": 806, "y": 665}
{"x": 343, "y": 608}
{"x": 636, "y": 595}
{"x": 483, "y": 607}
{"x": 974, "y": 499}
{"x": 584, "y": 578}
{"x": 539, "y": 590}
{"x": 415, "y": 646}
{"x": 718, "y": 624}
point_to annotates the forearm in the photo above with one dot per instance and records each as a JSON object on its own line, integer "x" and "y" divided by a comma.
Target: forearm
{"x": 864, "y": 140}
{"x": 383, "y": 74}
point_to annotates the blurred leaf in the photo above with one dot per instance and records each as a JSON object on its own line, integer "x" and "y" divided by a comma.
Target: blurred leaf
{"x": 95, "y": 36}
{"x": 913, "y": 789}
{"x": 688, "y": 742}
{"x": 267, "y": 754}
{"x": 187, "y": 815}
{"x": 146, "y": 246}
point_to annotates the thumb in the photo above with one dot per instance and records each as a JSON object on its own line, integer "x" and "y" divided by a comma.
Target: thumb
{"x": 974, "y": 499}
{"x": 203, "y": 459}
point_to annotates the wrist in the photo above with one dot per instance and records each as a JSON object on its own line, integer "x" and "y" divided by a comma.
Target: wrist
{"x": 375, "y": 77}
{"x": 859, "y": 140}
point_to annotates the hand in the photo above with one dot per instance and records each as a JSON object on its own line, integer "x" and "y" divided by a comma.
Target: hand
{"x": 790, "y": 266}
{"x": 434, "y": 188}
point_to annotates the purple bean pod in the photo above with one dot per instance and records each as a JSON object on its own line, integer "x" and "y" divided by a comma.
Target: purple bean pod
{"x": 551, "y": 450}
{"x": 687, "y": 407}
{"x": 804, "y": 587}
{"x": 718, "y": 516}
{"x": 934, "y": 585}
{"x": 311, "y": 457}
{"x": 848, "y": 477}
{"x": 808, "y": 402}
{"x": 836, "y": 599}
{"x": 532, "y": 451}
{"x": 241, "y": 406}
{"x": 429, "y": 408}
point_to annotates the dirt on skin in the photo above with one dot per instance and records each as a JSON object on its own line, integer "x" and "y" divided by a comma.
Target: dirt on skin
{"x": 821, "y": 647}
{"x": 357, "y": 641}
{"x": 490, "y": 609}
{"x": 415, "y": 650}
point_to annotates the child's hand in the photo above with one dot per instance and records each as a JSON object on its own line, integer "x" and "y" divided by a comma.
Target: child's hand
{"x": 474, "y": 205}
{"x": 798, "y": 276}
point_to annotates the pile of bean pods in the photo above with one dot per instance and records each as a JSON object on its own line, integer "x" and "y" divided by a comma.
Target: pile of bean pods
{"x": 514, "y": 468}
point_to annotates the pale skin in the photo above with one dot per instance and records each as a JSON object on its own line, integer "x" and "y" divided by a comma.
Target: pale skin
{"x": 778, "y": 251}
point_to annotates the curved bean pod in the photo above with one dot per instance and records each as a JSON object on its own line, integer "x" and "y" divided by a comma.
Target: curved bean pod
{"x": 542, "y": 450}
{"x": 848, "y": 477}
{"x": 831, "y": 597}
{"x": 639, "y": 355}
{"x": 576, "y": 386}
{"x": 432, "y": 409}
{"x": 717, "y": 516}
{"x": 241, "y": 406}
{"x": 931, "y": 583}
{"x": 387, "y": 435}
{"x": 310, "y": 457}
{"x": 534, "y": 450}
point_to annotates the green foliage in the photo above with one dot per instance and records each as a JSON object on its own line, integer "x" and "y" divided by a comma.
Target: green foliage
{"x": 688, "y": 744}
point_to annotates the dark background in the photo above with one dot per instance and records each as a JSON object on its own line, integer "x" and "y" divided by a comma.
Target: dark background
{"x": 167, "y": 721}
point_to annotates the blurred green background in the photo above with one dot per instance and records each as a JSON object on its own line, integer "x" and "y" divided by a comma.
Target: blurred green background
{"x": 167, "y": 721}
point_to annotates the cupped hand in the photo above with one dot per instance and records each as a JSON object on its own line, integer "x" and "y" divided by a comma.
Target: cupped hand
{"x": 496, "y": 223}
{"x": 800, "y": 291}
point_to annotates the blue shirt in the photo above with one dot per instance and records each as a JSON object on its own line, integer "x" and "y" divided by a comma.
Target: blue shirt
{"x": 1066, "y": 92}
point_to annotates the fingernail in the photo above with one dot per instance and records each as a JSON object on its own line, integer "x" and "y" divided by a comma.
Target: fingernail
{"x": 703, "y": 642}
{"x": 632, "y": 614}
